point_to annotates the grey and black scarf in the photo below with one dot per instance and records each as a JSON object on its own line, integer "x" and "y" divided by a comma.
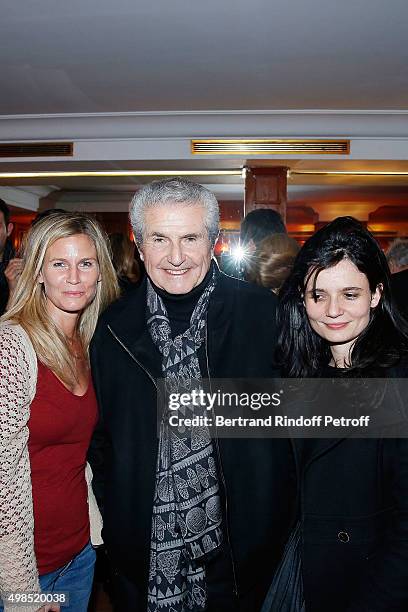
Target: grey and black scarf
{"x": 186, "y": 525}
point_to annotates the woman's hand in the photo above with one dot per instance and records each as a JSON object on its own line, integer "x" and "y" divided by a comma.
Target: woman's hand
{"x": 50, "y": 608}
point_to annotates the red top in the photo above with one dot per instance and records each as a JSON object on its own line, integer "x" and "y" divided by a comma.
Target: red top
{"x": 61, "y": 426}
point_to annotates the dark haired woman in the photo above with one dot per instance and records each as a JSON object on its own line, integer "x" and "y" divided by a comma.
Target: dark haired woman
{"x": 337, "y": 319}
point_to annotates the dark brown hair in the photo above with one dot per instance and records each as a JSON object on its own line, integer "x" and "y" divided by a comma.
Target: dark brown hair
{"x": 123, "y": 257}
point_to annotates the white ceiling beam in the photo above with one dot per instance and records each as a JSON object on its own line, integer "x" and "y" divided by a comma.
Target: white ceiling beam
{"x": 24, "y": 197}
{"x": 196, "y": 124}
{"x": 178, "y": 149}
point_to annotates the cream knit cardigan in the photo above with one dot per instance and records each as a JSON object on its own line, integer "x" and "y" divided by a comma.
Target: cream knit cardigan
{"x": 18, "y": 378}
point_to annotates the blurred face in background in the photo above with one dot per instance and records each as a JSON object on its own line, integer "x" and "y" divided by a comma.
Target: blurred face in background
{"x": 176, "y": 249}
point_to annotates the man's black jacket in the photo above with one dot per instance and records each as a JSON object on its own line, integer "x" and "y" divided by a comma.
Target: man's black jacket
{"x": 256, "y": 474}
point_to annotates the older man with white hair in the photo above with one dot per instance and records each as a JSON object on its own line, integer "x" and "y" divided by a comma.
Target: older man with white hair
{"x": 190, "y": 522}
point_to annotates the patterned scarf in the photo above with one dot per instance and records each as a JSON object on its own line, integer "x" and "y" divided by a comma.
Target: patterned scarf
{"x": 186, "y": 525}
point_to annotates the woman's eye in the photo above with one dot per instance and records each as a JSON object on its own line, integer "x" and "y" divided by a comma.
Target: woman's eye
{"x": 58, "y": 264}
{"x": 351, "y": 296}
{"x": 86, "y": 264}
{"x": 317, "y": 297}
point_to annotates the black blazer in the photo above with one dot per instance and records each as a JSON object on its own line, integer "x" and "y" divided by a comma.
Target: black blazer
{"x": 354, "y": 516}
{"x": 257, "y": 475}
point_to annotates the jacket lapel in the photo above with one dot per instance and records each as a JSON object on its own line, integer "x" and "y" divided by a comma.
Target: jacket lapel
{"x": 310, "y": 449}
{"x": 219, "y": 325}
{"x": 130, "y": 329}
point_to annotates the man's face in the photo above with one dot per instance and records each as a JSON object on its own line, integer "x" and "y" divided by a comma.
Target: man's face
{"x": 5, "y": 231}
{"x": 176, "y": 249}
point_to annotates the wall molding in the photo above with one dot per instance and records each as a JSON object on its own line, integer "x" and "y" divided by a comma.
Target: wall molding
{"x": 196, "y": 124}
{"x": 25, "y": 197}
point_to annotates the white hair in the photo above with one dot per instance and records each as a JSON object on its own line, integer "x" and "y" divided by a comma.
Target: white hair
{"x": 174, "y": 191}
{"x": 398, "y": 252}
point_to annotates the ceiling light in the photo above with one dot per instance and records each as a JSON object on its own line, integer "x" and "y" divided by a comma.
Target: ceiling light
{"x": 270, "y": 146}
{"x": 348, "y": 173}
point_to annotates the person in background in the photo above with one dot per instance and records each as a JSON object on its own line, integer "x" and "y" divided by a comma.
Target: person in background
{"x": 48, "y": 410}
{"x": 123, "y": 258}
{"x": 337, "y": 320}
{"x": 272, "y": 261}
{"x": 6, "y": 253}
{"x": 397, "y": 257}
{"x": 257, "y": 225}
{"x": 15, "y": 264}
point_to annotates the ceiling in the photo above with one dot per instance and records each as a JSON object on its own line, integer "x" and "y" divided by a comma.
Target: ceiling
{"x": 87, "y": 56}
{"x": 131, "y": 82}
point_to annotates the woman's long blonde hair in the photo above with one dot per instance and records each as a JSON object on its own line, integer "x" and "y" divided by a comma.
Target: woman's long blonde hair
{"x": 28, "y": 303}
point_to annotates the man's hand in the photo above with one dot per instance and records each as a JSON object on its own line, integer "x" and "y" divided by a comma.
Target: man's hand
{"x": 13, "y": 271}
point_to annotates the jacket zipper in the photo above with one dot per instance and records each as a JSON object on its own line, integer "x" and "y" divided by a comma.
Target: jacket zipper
{"x": 234, "y": 575}
{"x": 216, "y": 442}
{"x": 134, "y": 358}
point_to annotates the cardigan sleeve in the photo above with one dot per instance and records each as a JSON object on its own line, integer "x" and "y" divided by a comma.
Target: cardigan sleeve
{"x": 18, "y": 569}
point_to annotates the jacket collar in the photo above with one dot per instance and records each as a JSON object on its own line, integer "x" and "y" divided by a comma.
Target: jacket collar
{"x": 129, "y": 327}
{"x": 129, "y": 324}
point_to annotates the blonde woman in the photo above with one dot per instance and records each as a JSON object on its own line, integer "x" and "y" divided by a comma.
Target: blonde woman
{"x": 48, "y": 412}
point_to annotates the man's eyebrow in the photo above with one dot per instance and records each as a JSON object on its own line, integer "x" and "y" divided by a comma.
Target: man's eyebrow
{"x": 189, "y": 235}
